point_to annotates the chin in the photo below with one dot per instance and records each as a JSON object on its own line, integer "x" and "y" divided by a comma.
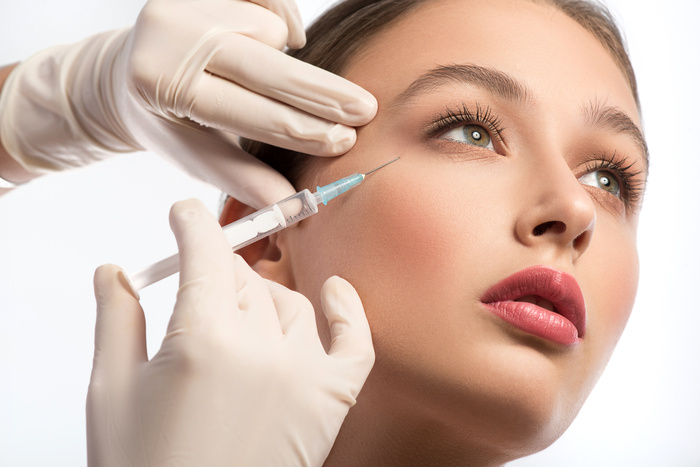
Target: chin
{"x": 529, "y": 403}
{"x": 533, "y": 422}
{"x": 513, "y": 403}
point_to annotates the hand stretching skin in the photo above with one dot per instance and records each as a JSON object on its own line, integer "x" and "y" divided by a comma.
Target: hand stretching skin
{"x": 241, "y": 377}
{"x": 188, "y": 79}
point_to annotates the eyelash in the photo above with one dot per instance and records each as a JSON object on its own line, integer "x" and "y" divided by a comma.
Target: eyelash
{"x": 628, "y": 179}
{"x": 453, "y": 119}
{"x": 632, "y": 186}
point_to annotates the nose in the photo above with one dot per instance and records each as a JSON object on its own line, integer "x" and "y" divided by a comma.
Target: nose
{"x": 557, "y": 211}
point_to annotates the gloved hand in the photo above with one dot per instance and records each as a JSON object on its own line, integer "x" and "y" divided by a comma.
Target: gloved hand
{"x": 241, "y": 378}
{"x": 182, "y": 82}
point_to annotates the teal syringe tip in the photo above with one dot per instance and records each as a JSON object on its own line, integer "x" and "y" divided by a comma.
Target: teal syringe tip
{"x": 339, "y": 187}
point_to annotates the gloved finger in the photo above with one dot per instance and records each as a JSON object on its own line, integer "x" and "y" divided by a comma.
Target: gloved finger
{"x": 255, "y": 304}
{"x": 267, "y": 71}
{"x": 120, "y": 346}
{"x": 289, "y": 12}
{"x": 213, "y": 159}
{"x": 350, "y": 334}
{"x": 120, "y": 329}
{"x": 250, "y": 181}
{"x": 253, "y": 20}
{"x": 171, "y": 45}
{"x": 295, "y": 312}
{"x": 263, "y": 119}
{"x": 215, "y": 284}
{"x": 206, "y": 267}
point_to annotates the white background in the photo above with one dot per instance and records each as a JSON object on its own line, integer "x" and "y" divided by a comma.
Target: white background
{"x": 55, "y": 231}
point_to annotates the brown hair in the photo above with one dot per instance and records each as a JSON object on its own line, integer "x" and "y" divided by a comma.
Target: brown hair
{"x": 338, "y": 34}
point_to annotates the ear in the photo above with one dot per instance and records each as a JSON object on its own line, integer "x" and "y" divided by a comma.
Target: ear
{"x": 268, "y": 256}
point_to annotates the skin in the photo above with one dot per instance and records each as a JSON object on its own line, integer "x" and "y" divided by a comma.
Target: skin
{"x": 424, "y": 238}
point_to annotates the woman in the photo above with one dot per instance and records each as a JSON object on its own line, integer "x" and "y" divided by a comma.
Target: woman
{"x": 496, "y": 261}
{"x": 522, "y": 162}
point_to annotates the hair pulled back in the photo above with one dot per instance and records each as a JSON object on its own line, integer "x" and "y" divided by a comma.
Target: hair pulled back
{"x": 342, "y": 31}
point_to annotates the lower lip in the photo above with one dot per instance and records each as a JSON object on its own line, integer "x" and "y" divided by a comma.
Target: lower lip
{"x": 537, "y": 321}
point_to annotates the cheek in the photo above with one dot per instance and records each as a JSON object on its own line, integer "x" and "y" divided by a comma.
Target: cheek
{"x": 609, "y": 280}
{"x": 395, "y": 239}
{"x": 400, "y": 242}
{"x": 406, "y": 233}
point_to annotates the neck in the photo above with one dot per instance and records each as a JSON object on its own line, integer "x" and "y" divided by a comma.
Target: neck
{"x": 389, "y": 428}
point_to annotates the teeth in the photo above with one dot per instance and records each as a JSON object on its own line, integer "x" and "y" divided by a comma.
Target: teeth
{"x": 537, "y": 300}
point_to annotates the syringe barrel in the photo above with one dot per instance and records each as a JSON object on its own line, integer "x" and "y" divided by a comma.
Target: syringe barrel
{"x": 240, "y": 233}
{"x": 271, "y": 219}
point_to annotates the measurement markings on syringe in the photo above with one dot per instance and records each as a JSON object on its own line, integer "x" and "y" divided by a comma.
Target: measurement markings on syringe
{"x": 305, "y": 212}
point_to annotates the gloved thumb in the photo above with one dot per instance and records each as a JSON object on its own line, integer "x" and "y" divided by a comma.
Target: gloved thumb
{"x": 289, "y": 12}
{"x": 120, "y": 329}
{"x": 350, "y": 335}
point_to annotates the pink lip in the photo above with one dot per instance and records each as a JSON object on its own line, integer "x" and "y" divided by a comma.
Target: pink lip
{"x": 565, "y": 326}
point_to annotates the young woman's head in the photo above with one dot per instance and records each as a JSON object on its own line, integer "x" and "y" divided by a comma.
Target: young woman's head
{"x": 497, "y": 259}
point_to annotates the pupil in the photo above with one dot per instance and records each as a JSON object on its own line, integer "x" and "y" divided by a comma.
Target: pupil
{"x": 605, "y": 181}
{"x": 476, "y": 135}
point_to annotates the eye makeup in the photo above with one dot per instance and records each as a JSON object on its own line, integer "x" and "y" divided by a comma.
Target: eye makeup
{"x": 627, "y": 186}
{"x": 451, "y": 119}
{"x": 630, "y": 180}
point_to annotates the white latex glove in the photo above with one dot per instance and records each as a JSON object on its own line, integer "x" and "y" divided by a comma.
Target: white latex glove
{"x": 241, "y": 378}
{"x": 182, "y": 82}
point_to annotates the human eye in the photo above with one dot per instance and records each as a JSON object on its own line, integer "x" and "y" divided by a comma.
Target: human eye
{"x": 603, "y": 179}
{"x": 476, "y": 135}
{"x": 479, "y": 128}
{"x": 618, "y": 176}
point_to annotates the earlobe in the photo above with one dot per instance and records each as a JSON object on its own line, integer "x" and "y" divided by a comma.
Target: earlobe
{"x": 266, "y": 256}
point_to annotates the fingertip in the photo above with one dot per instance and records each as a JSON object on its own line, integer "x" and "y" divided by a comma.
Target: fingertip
{"x": 292, "y": 16}
{"x": 192, "y": 223}
{"x": 105, "y": 279}
{"x": 102, "y": 274}
{"x": 362, "y": 109}
{"x": 333, "y": 284}
{"x": 297, "y": 43}
{"x": 185, "y": 210}
{"x": 290, "y": 23}
{"x": 340, "y": 301}
{"x": 203, "y": 250}
{"x": 341, "y": 139}
{"x": 297, "y": 35}
{"x": 110, "y": 283}
{"x": 120, "y": 324}
{"x": 351, "y": 339}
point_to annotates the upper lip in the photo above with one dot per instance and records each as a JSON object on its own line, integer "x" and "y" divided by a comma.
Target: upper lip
{"x": 547, "y": 283}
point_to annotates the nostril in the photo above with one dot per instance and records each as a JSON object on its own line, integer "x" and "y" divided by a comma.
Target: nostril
{"x": 555, "y": 226}
{"x": 581, "y": 240}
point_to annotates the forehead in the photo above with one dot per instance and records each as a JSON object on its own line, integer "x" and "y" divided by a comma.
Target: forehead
{"x": 553, "y": 56}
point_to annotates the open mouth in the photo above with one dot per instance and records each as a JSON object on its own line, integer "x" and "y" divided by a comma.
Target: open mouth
{"x": 542, "y": 301}
{"x": 539, "y": 301}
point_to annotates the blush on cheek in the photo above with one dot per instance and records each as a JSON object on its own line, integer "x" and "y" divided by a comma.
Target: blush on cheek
{"x": 611, "y": 288}
{"x": 407, "y": 242}
{"x": 619, "y": 301}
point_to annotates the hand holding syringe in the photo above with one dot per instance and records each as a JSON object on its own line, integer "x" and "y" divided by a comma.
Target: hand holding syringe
{"x": 260, "y": 224}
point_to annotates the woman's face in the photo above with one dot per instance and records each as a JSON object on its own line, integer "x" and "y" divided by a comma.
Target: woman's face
{"x": 524, "y": 151}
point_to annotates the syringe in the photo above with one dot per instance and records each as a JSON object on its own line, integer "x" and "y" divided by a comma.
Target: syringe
{"x": 260, "y": 224}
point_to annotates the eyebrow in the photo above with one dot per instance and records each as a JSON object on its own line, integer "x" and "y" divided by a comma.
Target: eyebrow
{"x": 489, "y": 79}
{"x": 505, "y": 86}
{"x": 612, "y": 118}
